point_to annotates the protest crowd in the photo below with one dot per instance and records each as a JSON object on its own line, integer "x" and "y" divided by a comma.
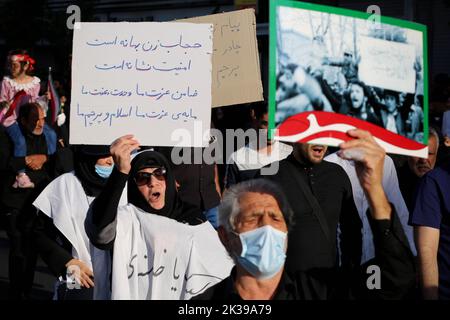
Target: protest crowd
{"x": 270, "y": 220}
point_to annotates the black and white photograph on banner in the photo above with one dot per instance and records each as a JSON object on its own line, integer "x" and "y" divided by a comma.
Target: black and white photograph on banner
{"x": 329, "y": 61}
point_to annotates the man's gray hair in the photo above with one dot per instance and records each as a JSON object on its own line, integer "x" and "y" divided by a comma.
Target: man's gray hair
{"x": 433, "y": 132}
{"x": 229, "y": 207}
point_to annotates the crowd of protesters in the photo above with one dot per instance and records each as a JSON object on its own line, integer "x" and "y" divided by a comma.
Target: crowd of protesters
{"x": 313, "y": 229}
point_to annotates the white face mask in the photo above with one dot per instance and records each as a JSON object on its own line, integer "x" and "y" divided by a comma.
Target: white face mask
{"x": 263, "y": 251}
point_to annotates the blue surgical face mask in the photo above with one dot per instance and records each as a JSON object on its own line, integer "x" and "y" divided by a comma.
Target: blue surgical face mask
{"x": 263, "y": 251}
{"x": 103, "y": 171}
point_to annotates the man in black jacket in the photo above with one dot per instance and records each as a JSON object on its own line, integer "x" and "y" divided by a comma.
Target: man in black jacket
{"x": 320, "y": 194}
{"x": 16, "y": 203}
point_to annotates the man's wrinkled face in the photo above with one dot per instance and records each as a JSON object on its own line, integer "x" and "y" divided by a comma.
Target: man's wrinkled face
{"x": 259, "y": 210}
{"x": 421, "y": 166}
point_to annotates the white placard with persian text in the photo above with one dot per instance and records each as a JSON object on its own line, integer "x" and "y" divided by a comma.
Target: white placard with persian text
{"x": 149, "y": 79}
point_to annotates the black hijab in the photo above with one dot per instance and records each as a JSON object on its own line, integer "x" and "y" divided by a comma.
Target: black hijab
{"x": 173, "y": 208}
{"x": 85, "y": 158}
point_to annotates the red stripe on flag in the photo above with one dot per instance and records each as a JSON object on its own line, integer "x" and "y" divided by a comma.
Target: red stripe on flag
{"x": 300, "y": 123}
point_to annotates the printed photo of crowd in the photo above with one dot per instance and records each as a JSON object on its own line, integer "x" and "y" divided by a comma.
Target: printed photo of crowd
{"x": 336, "y": 63}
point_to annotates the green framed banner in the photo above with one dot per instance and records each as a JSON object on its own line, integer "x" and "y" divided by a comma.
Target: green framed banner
{"x": 334, "y": 69}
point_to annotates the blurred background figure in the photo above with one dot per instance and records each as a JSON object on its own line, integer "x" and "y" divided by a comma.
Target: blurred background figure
{"x": 415, "y": 168}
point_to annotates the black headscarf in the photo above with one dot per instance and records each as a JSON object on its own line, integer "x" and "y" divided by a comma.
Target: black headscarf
{"x": 173, "y": 208}
{"x": 85, "y": 158}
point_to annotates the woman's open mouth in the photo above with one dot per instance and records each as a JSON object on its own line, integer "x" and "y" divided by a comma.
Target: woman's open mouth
{"x": 155, "y": 196}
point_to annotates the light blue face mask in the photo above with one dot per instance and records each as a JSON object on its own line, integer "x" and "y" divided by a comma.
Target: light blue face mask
{"x": 103, "y": 171}
{"x": 263, "y": 251}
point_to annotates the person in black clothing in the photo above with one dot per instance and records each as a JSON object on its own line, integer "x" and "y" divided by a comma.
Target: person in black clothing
{"x": 197, "y": 180}
{"x": 251, "y": 210}
{"x": 393, "y": 255}
{"x": 146, "y": 172}
{"x": 151, "y": 187}
{"x": 17, "y": 203}
{"x": 320, "y": 194}
{"x": 153, "y": 225}
{"x": 4, "y": 142}
{"x": 63, "y": 206}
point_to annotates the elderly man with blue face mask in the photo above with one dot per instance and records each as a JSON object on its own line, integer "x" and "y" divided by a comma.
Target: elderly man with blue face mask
{"x": 254, "y": 218}
{"x": 254, "y": 221}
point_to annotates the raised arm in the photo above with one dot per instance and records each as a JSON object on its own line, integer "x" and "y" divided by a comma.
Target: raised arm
{"x": 393, "y": 255}
{"x": 369, "y": 158}
{"x": 102, "y": 225}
